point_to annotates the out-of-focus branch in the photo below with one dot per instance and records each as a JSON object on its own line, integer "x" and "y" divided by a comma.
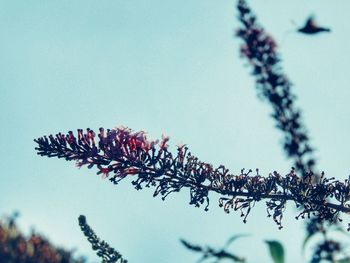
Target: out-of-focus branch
{"x": 103, "y": 250}
{"x": 209, "y": 253}
{"x": 259, "y": 48}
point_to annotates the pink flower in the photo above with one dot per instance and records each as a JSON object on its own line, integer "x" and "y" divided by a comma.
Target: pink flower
{"x": 180, "y": 146}
{"x": 131, "y": 171}
{"x": 104, "y": 171}
{"x": 163, "y": 142}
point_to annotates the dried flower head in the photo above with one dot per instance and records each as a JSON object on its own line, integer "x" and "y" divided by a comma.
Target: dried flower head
{"x": 122, "y": 152}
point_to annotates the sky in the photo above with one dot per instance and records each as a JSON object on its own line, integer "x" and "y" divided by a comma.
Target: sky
{"x": 165, "y": 67}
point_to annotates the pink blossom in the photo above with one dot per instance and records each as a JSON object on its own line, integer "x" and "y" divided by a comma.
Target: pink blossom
{"x": 163, "y": 142}
{"x": 104, "y": 171}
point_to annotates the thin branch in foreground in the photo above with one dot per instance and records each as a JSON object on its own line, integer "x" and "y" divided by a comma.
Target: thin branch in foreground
{"x": 121, "y": 152}
{"x": 208, "y": 253}
{"x": 104, "y": 251}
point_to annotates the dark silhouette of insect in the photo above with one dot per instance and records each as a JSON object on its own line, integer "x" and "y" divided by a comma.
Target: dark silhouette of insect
{"x": 311, "y": 27}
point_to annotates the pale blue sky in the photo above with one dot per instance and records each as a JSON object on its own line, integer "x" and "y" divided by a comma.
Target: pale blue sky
{"x": 165, "y": 67}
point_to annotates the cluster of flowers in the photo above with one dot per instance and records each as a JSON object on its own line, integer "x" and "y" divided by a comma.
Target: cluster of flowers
{"x": 260, "y": 50}
{"x": 121, "y": 152}
{"x": 15, "y": 247}
{"x": 104, "y": 251}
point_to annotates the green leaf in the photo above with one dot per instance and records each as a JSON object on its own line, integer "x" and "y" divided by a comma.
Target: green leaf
{"x": 307, "y": 238}
{"x": 344, "y": 260}
{"x": 233, "y": 238}
{"x": 276, "y": 251}
{"x": 191, "y": 246}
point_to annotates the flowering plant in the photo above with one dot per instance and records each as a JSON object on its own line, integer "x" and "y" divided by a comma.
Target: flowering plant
{"x": 119, "y": 153}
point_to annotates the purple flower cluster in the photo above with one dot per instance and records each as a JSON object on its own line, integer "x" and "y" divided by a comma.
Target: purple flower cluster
{"x": 120, "y": 152}
{"x": 259, "y": 48}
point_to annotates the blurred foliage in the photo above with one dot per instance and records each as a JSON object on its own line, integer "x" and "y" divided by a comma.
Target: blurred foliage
{"x": 209, "y": 253}
{"x": 276, "y": 251}
{"x": 15, "y": 247}
{"x": 103, "y": 250}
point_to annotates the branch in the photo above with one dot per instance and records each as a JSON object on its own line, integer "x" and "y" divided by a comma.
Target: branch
{"x": 120, "y": 153}
{"x": 259, "y": 48}
{"x": 211, "y": 253}
{"x": 104, "y": 251}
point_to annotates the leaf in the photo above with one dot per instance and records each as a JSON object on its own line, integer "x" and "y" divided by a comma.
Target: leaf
{"x": 210, "y": 253}
{"x": 276, "y": 251}
{"x": 233, "y": 238}
{"x": 307, "y": 238}
{"x": 225, "y": 255}
{"x": 191, "y": 246}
